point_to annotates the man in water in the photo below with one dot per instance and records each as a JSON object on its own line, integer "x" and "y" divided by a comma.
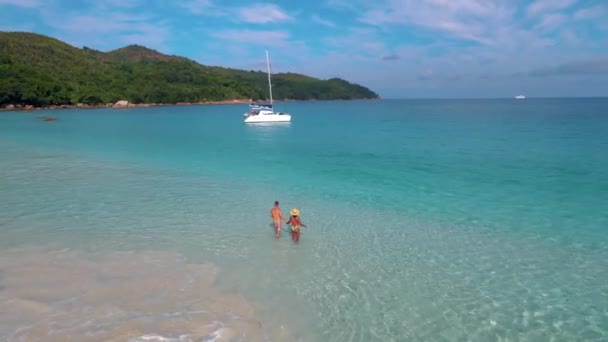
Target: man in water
{"x": 277, "y": 218}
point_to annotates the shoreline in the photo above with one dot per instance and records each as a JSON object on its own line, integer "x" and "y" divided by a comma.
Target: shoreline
{"x": 118, "y": 105}
{"x": 121, "y": 104}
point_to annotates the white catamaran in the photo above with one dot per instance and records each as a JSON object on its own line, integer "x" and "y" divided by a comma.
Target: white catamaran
{"x": 265, "y": 112}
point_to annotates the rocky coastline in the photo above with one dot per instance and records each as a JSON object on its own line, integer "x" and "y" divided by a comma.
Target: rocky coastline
{"x": 122, "y": 104}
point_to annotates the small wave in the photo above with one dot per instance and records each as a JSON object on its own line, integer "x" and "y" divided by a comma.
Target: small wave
{"x": 221, "y": 333}
{"x": 160, "y": 338}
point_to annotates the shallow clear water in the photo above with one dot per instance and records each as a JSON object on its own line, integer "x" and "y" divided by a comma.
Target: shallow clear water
{"x": 428, "y": 220}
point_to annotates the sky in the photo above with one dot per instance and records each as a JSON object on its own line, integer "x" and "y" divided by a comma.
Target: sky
{"x": 398, "y": 48}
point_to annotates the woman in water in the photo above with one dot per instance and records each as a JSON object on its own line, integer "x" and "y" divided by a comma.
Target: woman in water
{"x": 295, "y": 223}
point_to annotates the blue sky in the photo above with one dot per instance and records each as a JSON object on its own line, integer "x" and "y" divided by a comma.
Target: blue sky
{"x": 399, "y": 48}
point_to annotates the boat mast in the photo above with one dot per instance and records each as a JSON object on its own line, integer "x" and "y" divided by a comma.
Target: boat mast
{"x": 269, "y": 83}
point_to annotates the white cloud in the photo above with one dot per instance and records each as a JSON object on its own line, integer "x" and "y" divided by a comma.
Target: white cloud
{"x": 244, "y": 49}
{"x": 107, "y": 23}
{"x": 197, "y": 6}
{"x": 263, "y": 13}
{"x": 594, "y": 65}
{"x": 495, "y": 24}
{"x": 540, "y": 7}
{"x": 550, "y": 22}
{"x": 474, "y": 20}
{"x": 21, "y": 3}
{"x": 467, "y": 6}
{"x": 363, "y": 42}
{"x": 317, "y": 19}
{"x": 570, "y": 37}
{"x": 264, "y": 38}
{"x": 109, "y": 29}
{"x": 112, "y": 4}
{"x": 426, "y": 74}
{"x": 590, "y": 13}
{"x": 342, "y": 4}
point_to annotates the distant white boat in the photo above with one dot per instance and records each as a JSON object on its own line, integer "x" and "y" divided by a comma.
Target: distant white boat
{"x": 520, "y": 97}
{"x": 265, "y": 112}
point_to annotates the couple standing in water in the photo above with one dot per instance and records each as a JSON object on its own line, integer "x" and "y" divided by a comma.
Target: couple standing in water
{"x": 294, "y": 221}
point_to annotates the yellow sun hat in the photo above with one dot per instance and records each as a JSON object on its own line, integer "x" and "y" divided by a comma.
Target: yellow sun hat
{"x": 295, "y": 212}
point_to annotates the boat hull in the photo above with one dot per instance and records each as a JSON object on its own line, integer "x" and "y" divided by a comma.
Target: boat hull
{"x": 268, "y": 118}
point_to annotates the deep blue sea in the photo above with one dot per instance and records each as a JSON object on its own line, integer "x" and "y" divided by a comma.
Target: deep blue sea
{"x": 428, "y": 220}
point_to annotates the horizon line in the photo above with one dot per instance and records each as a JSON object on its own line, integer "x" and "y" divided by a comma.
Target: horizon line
{"x": 494, "y": 98}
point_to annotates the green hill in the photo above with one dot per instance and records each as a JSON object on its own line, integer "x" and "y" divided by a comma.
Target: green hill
{"x": 41, "y": 71}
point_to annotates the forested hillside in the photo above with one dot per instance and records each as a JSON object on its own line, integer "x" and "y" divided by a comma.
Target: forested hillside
{"x": 41, "y": 71}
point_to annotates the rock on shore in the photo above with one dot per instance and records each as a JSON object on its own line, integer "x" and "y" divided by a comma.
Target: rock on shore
{"x": 121, "y": 104}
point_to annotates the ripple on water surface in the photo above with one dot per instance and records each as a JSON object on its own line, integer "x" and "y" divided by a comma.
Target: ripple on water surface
{"x": 359, "y": 273}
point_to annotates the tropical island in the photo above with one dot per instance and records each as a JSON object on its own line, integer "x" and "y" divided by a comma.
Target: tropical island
{"x": 40, "y": 71}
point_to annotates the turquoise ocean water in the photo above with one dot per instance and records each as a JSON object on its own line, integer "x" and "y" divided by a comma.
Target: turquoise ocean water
{"x": 434, "y": 220}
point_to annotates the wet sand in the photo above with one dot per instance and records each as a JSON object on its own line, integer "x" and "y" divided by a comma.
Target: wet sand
{"x": 123, "y": 296}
